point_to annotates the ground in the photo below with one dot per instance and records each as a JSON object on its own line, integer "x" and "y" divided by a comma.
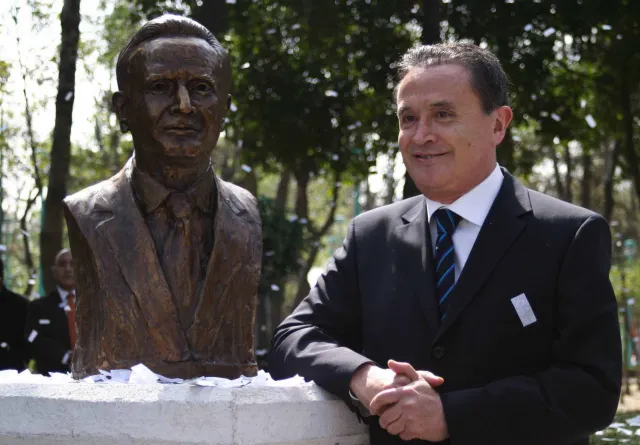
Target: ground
{"x": 626, "y": 428}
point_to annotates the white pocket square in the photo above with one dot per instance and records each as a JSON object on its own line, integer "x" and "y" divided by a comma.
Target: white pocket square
{"x": 523, "y": 309}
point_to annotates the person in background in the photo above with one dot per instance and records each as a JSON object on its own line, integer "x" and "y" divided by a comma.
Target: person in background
{"x": 14, "y": 350}
{"x": 50, "y": 328}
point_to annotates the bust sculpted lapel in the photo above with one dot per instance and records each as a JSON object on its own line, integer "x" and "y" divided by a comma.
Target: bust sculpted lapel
{"x": 167, "y": 255}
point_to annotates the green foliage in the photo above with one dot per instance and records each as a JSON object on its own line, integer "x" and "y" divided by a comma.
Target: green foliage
{"x": 283, "y": 242}
{"x": 313, "y": 85}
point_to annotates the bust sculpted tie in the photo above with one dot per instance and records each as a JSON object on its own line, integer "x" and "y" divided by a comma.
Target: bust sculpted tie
{"x": 180, "y": 258}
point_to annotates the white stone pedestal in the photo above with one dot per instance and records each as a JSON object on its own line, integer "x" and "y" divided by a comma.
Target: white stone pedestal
{"x": 119, "y": 414}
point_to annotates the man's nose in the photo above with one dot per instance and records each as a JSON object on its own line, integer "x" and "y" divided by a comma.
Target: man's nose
{"x": 183, "y": 104}
{"x": 424, "y": 133}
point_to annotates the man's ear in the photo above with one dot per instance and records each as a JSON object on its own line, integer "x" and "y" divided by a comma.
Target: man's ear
{"x": 119, "y": 102}
{"x": 503, "y": 116}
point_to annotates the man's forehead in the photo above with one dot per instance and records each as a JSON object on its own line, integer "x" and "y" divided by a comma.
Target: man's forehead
{"x": 435, "y": 84}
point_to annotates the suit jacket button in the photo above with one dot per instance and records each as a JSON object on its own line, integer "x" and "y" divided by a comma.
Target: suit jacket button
{"x": 438, "y": 351}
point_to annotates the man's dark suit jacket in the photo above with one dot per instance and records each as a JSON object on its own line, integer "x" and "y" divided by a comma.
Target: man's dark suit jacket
{"x": 125, "y": 317}
{"x": 551, "y": 382}
{"x": 48, "y": 318}
{"x": 14, "y": 351}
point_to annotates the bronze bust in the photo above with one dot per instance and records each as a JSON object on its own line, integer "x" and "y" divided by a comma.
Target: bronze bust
{"x": 166, "y": 254}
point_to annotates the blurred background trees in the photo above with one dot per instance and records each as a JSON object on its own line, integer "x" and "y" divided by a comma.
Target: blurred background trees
{"x": 312, "y": 129}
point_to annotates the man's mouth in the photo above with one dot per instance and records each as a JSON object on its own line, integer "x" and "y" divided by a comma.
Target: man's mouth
{"x": 425, "y": 156}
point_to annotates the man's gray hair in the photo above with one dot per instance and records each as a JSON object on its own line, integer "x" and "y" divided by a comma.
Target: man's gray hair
{"x": 488, "y": 79}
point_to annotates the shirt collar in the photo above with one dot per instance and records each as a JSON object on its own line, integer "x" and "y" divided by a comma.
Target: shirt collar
{"x": 474, "y": 205}
{"x": 64, "y": 294}
{"x": 150, "y": 193}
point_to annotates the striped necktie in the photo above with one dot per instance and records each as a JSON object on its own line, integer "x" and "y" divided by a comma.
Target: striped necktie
{"x": 446, "y": 222}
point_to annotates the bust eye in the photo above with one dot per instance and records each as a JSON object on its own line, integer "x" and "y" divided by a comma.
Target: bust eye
{"x": 203, "y": 88}
{"x": 160, "y": 87}
{"x": 443, "y": 114}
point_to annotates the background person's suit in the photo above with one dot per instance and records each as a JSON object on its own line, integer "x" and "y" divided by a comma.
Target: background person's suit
{"x": 551, "y": 382}
{"x": 48, "y": 324}
{"x": 14, "y": 350}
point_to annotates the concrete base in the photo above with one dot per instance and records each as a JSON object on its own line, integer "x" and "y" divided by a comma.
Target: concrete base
{"x": 119, "y": 414}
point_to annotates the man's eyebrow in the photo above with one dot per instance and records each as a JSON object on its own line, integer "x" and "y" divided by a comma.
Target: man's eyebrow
{"x": 443, "y": 104}
{"x": 402, "y": 109}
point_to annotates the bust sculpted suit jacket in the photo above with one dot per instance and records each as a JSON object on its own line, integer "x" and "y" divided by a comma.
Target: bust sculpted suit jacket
{"x": 551, "y": 382}
{"x": 125, "y": 312}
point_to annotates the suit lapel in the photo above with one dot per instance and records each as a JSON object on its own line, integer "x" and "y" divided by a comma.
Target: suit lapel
{"x": 500, "y": 230}
{"x": 231, "y": 238}
{"x": 128, "y": 236}
{"x": 414, "y": 259}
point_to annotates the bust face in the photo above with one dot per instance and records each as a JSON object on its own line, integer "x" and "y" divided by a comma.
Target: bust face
{"x": 175, "y": 99}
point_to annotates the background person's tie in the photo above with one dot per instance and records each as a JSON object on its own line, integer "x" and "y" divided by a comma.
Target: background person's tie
{"x": 444, "y": 263}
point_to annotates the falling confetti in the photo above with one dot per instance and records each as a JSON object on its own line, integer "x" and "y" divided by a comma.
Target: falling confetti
{"x": 591, "y": 121}
{"x": 275, "y": 287}
{"x": 331, "y": 93}
{"x": 68, "y": 97}
{"x": 246, "y": 168}
{"x": 549, "y": 31}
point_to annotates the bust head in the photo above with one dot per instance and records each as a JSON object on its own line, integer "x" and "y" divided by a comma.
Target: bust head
{"x": 174, "y": 79}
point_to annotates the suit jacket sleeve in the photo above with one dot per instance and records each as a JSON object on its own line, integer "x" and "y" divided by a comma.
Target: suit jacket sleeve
{"x": 45, "y": 350}
{"x": 320, "y": 338}
{"x": 578, "y": 394}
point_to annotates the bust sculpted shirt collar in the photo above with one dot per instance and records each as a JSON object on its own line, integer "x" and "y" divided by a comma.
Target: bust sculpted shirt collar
{"x": 150, "y": 193}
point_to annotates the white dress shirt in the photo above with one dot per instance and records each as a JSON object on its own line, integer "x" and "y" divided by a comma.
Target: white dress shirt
{"x": 64, "y": 296}
{"x": 473, "y": 207}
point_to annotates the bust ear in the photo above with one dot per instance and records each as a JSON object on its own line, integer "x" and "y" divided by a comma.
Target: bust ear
{"x": 119, "y": 102}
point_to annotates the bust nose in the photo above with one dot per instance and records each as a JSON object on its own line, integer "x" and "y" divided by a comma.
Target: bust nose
{"x": 183, "y": 101}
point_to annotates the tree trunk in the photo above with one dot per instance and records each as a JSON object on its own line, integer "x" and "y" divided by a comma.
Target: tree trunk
{"x": 568, "y": 182}
{"x": 556, "y": 174}
{"x": 390, "y": 181}
{"x": 302, "y": 202}
{"x": 303, "y": 287}
{"x": 52, "y": 229}
{"x": 587, "y": 174}
{"x": 282, "y": 194}
{"x": 430, "y": 20}
{"x": 213, "y": 15}
{"x": 609, "y": 170}
{"x": 28, "y": 257}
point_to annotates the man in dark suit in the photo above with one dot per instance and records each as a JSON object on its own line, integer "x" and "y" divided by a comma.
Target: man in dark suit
{"x": 493, "y": 300}
{"x": 14, "y": 352}
{"x": 166, "y": 254}
{"x": 50, "y": 327}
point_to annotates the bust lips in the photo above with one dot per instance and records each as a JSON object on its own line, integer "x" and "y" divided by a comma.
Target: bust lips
{"x": 182, "y": 128}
